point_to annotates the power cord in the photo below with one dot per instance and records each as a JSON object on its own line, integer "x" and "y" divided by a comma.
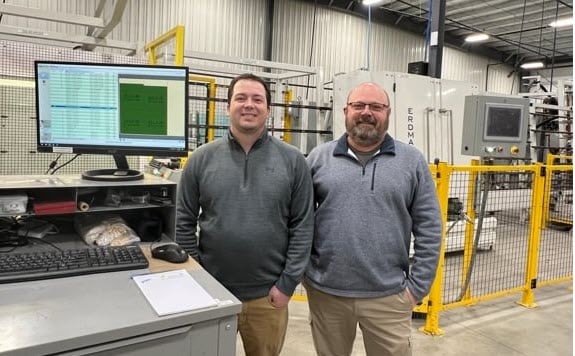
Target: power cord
{"x": 53, "y": 164}
{"x": 65, "y": 163}
{"x": 44, "y": 241}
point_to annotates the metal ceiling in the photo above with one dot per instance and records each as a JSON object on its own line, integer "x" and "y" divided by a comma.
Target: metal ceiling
{"x": 519, "y": 29}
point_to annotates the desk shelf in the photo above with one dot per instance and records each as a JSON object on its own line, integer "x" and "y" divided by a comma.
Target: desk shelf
{"x": 63, "y": 198}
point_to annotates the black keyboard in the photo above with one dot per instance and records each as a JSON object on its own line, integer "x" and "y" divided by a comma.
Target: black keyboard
{"x": 19, "y": 267}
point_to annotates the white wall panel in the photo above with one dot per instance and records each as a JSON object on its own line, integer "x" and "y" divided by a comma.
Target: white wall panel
{"x": 237, "y": 28}
{"x": 459, "y": 65}
{"x": 340, "y": 43}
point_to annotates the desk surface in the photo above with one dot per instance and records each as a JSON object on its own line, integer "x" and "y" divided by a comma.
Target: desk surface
{"x": 56, "y": 315}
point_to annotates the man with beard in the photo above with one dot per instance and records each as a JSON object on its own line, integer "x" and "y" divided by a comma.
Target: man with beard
{"x": 371, "y": 193}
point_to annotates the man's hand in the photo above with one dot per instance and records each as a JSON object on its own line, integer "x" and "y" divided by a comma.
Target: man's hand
{"x": 277, "y": 298}
{"x": 411, "y": 297}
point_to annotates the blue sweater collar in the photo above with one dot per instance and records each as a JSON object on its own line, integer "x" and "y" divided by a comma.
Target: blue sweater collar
{"x": 387, "y": 146}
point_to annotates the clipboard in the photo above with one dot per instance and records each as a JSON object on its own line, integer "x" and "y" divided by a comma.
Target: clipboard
{"x": 173, "y": 292}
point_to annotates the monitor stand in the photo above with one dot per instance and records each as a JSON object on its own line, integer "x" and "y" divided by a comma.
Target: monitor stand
{"x": 120, "y": 174}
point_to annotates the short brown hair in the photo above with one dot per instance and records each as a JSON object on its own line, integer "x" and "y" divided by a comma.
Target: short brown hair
{"x": 255, "y": 78}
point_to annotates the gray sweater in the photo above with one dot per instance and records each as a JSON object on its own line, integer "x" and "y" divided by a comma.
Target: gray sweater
{"x": 256, "y": 217}
{"x": 365, "y": 217}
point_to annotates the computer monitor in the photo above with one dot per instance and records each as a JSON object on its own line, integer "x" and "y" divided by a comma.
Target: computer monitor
{"x": 503, "y": 122}
{"x": 116, "y": 109}
{"x": 495, "y": 127}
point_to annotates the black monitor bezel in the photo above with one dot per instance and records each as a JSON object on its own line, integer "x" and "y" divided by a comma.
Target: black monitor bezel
{"x": 113, "y": 150}
{"x": 487, "y": 118}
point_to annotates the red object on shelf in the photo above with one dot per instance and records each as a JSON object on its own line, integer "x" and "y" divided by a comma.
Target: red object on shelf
{"x": 59, "y": 207}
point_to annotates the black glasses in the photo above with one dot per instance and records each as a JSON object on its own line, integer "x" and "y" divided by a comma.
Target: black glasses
{"x": 374, "y": 107}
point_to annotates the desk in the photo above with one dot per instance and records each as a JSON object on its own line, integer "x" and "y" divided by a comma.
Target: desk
{"x": 106, "y": 314}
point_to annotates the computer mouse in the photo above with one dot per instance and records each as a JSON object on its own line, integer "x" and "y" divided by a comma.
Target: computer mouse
{"x": 170, "y": 252}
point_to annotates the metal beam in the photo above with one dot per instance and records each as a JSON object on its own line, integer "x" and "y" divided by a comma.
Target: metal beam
{"x": 119, "y": 8}
{"x": 213, "y": 57}
{"x": 65, "y": 37}
{"x": 42, "y": 14}
{"x": 97, "y": 13}
{"x": 437, "y": 38}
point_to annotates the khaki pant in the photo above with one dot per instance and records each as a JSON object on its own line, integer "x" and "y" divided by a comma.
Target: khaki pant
{"x": 262, "y": 327}
{"x": 385, "y": 323}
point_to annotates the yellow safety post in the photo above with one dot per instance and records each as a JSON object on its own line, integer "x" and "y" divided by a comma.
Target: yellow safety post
{"x": 547, "y": 192}
{"x": 434, "y": 302}
{"x": 534, "y": 237}
{"x": 211, "y": 119}
{"x": 552, "y": 167}
{"x": 287, "y": 117}
{"x": 177, "y": 33}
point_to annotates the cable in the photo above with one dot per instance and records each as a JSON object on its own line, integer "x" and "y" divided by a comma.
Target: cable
{"x": 554, "y": 42}
{"x": 311, "y": 47}
{"x": 65, "y": 164}
{"x": 53, "y": 164}
{"x": 521, "y": 35}
{"x": 427, "y": 33}
{"x": 44, "y": 241}
{"x": 486, "y": 186}
{"x": 541, "y": 25}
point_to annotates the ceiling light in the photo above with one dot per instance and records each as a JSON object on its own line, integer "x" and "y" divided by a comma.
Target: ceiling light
{"x": 477, "y": 37}
{"x": 370, "y": 2}
{"x": 532, "y": 65}
{"x": 562, "y": 22}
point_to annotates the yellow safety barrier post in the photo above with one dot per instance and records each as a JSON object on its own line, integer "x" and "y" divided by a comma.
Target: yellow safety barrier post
{"x": 434, "y": 303}
{"x": 176, "y": 33}
{"x": 534, "y": 237}
{"x": 548, "y": 190}
{"x": 287, "y": 117}
{"x": 211, "y": 119}
{"x": 547, "y": 194}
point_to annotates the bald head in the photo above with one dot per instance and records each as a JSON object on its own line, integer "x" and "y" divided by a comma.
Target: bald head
{"x": 370, "y": 87}
{"x": 366, "y": 116}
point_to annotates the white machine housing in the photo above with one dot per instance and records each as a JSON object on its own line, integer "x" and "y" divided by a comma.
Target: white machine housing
{"x": 425, "y": 112}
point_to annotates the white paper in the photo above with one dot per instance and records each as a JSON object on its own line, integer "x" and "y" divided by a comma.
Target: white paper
{"x": 173, "y": 292}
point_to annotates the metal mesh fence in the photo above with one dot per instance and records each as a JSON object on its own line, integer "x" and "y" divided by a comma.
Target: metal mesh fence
{"x": 556, "y": 241}
{"x": 18, "y": 113}
{"x": 493, "y": 256}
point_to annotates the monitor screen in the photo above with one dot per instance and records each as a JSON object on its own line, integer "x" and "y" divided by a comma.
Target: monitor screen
{"x": 503, "y": 122}
{"x": 120, "y": 109}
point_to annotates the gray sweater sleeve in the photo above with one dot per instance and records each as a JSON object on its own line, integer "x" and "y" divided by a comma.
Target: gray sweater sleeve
{"x": 300, "y": 229}
{"x": 427, "y": 231}
{"x": 188, "y": 209}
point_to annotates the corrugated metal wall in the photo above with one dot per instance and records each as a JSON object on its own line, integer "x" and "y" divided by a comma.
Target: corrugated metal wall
{"x": 238, "y": 28}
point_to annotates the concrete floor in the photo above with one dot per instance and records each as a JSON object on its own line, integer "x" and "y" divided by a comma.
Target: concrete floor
{"x": 491, "y": 328}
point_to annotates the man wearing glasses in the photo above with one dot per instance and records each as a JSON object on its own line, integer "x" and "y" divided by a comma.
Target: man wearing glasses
{"x": 371, "y": 194}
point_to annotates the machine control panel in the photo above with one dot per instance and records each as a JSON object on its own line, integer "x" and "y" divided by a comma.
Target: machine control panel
{"x": 495, "y": 127}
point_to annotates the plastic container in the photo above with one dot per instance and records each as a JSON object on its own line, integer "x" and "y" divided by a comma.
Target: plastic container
{"x": 13, "y": 204}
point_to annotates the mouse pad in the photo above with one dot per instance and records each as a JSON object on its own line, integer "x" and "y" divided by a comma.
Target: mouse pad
{"x": 157, "y": 265}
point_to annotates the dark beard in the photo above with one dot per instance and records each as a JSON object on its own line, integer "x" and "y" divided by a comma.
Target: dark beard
{"x": 365, "y": 135}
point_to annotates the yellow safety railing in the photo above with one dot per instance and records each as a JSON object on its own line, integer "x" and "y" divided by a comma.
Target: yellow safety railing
{"x": 211, "y": 119}
{"x": 177, "y": 33}
{"x": 287, "y": 117}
